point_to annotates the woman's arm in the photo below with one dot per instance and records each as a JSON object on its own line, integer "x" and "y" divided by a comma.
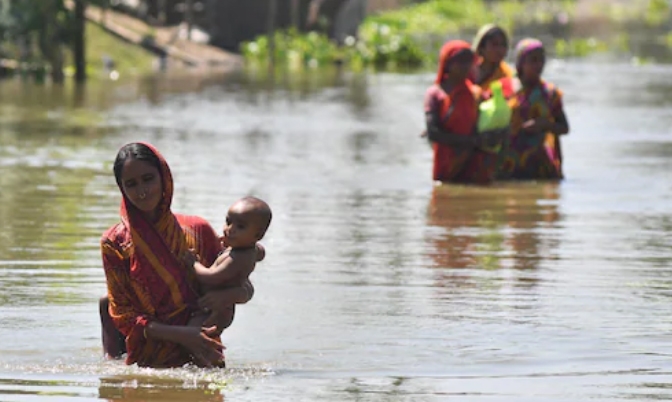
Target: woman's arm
{"x": 436, "y": 134}
{"x": 433, "y": 123}
{"x": 543, "y": 125}
{"x": 199, "y": 341}
{"x": 123, "y": 307}
{"x": 491, "y": 138}
{"x": 561, "y": 125}
{"x": 138, "y": 325}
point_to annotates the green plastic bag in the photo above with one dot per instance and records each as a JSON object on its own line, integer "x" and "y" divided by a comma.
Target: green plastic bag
{"x": 494, "y": 114}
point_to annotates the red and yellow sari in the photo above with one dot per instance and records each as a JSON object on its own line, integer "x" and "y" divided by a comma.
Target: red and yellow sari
{"x": 146, "y": 279}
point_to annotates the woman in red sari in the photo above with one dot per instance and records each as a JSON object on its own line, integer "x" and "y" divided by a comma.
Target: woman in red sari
{"x": 152, "y": 294}
{"x": 451, "y": 113}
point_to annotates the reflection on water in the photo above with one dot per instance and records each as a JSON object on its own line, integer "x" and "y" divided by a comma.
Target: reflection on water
{"x": 378, "y": 285}
{"x": 504, "y": 226}
{"x": 133, "y": 389}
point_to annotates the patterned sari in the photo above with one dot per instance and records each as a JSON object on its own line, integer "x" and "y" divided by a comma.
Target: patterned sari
{"x": 458, "y": 114}
{"x": 532, "y": 156}
{"x": 147, "y": 281}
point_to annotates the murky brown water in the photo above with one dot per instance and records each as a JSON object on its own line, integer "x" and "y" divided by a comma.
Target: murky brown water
{"x": 377, "y": 285}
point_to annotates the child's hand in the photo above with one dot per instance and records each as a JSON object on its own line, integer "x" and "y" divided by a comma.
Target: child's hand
{"x": 189, "y": 258}
{"x": 223, "y": 241}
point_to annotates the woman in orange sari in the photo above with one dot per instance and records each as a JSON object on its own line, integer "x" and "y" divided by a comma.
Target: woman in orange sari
{"x": 451, "y": 114}
{"x": 152, "y": 294}
{"x": 491, "y": 46}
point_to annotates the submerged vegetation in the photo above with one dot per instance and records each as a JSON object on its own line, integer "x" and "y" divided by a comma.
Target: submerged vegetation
{"x": 411, "y": 37}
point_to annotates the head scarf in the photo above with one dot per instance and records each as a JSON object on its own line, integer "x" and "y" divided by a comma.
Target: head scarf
{"x": 448, "y": 52}
{"x": 157, "y": 247}
{"x": 487, "y": 30}
{"x": 523, "y": 48}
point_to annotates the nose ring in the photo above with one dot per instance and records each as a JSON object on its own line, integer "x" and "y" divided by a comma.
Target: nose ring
{"x": 142, "y": 196}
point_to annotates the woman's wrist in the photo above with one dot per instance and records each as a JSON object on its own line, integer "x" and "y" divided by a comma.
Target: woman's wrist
{"x": 164, "y": 332}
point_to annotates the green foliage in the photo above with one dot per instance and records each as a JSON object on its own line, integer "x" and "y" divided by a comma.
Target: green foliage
{"x": 657, "y": 12}
{"x": 313, "y": 50}
{"x": 399, "y": 39}
{"x": 579, "y": 47}
{"x": 24, "y": 22}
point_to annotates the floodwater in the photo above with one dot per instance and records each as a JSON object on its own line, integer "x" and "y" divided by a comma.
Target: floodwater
{"x": 378, "y": 286}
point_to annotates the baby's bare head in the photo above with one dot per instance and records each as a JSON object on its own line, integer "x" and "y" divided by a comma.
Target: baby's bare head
{"x": 256, "y": 211}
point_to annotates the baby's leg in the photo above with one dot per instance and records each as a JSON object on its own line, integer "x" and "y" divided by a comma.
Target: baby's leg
{"x": 197, "y": 320}
{"x": 221, "y": 318}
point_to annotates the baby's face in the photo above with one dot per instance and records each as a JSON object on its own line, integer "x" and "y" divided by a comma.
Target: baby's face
{"x": 241, "y": 229}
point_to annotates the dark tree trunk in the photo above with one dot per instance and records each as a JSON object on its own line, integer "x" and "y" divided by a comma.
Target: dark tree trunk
{"x": 79, "y": 50}
{"x": 272, "y": 10}
{"x": 49, "y": 40}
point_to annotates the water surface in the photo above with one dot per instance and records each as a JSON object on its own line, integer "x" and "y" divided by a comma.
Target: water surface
{"x": 378, "y": 285}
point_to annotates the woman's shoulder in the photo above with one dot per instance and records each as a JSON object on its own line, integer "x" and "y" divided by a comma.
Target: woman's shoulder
{"x": 507, "y": 70}
{"x": 116, "y": 239}
{"x": 551, "y": 89}
{"x": 434, "y": 92}
{"x": 195, "y": 225}
{"x": 192, "y": 221}
{"x": 114, "y": 233}
{"x": 433, "y": 97}
{"x": 201, "y": 236}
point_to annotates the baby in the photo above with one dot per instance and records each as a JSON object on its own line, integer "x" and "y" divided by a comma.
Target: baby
{"x": 246, "y": 223}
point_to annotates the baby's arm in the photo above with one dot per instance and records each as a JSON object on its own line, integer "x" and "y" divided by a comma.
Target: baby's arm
{"x": 233, "y": 265}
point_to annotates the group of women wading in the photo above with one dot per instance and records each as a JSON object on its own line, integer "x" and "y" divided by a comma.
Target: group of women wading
{"x": 528, "y": 147}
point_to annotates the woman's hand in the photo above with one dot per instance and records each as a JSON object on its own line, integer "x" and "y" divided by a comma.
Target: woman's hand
{"x": 538, "y": 125}
{"x": 200, "y": 343}
{"x": 492, "y": 138}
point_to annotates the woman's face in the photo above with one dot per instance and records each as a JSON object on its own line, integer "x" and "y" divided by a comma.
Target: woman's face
{"x": 533, "y": 65}
{"x": 460, "y": 65}
{"x": 141, "y": 183}
{"x": 494, "y": 49}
